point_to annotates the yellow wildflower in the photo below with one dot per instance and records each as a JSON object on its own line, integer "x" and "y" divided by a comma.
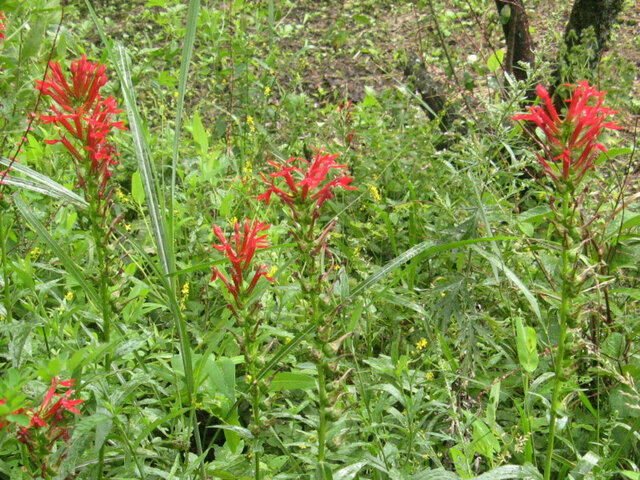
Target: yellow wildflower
{"x": 422, "y": 344}
{"x": 121, "y": 195}
{"x": 375, "y": 193}
{"x": 251, "y": 123}
{"x": 68, "y": 295}
{"x": 184, "y": 295}
{"x": 274, "y": 269}
{"x": 267, "y": 91}
{"x": 127, "y": 227}
{"x": 175, "y": 94}
{"x": 35, "y": 253}
{"x": 429, "y": 376}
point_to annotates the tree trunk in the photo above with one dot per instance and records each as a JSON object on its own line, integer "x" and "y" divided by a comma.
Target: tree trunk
{"x": 585, "y": 38}
{"x": 515, "y": 26}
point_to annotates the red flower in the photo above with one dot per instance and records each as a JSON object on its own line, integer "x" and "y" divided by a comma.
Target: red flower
{"x": 240, "y": 251}
{"x": 2, "y": 27}
{"x": 573, "y": 140}
{"x": 313, "y": 184}
{"x": 84, "y": 114}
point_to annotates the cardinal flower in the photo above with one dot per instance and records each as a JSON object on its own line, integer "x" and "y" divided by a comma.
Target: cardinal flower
{"x": 82, "y": 114}
{"x": 2, "y": 27}
{"x": 240, "y": 250}
{"x": 573, "y": 144}
{"x": 308, "y": 184}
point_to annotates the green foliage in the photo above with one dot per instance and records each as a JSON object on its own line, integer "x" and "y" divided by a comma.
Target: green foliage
{"x": 427, "y": 346}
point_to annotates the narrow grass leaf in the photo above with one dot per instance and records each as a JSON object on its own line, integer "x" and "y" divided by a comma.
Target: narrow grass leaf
{"x": 145, "y": 165}
{"x": 185, "y": 61}
{"x": 513, "y": 278}
{"x": 66, "y": 260}
{"x": 426, "y": 248}
{"x": 36, "y": 182}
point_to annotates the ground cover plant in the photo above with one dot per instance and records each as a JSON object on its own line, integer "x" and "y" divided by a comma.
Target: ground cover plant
{"x": 348, "y": 240}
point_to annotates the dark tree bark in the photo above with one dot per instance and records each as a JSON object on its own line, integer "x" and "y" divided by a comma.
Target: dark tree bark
{"x": 596, "y": 16}
{"x": 516, "y": 32}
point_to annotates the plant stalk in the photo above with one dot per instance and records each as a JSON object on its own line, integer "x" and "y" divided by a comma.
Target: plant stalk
{"x": 565, "y": 308}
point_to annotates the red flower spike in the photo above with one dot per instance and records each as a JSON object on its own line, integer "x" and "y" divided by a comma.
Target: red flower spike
{"x": 240, "y": 250}
{"x": 573, "y": 140}
{"x": 313, "y": 184}
{"x": 2, "y": 26}
{"x": 80, "y": 111}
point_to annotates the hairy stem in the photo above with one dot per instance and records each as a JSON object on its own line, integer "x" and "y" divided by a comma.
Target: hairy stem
{"x": 565, "y": 308}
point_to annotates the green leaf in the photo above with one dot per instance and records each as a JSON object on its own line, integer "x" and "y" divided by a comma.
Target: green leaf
{"x": 514, "y": 279}
{"x": 291, "y": 381}
{"x": 349, "y": 472}
{"x": 427, "y": 248}
{"x": 66, "y": 260}
{"x": 495, "y": 61}
{"x": 185, "y": 61}
{"x": 199, "y": 133}
{"x": 630, "y": 475}
{"x": 145, "y": 165}
{"x": 526, "y": 340}
{"x": 484, "y": 441}
{"x": 323, "y": 472}
{"x": 137, "y": 190}
{"x": 36, "y": 182}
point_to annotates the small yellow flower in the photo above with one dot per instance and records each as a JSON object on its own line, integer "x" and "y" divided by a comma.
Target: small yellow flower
{"x": 422, "y": 344}
{"x": 336, "y": 267}
{"x": 35, "y": 253}
{"x": 175, "y": 94}
{"x": 429, "y": 376}
{"x": 248, "y": 168}
{"x": 251, "y": 123}
{"x": 68, "y": 295}
{"x": 120, "y": 195}
{"x": 249, "y": 378}
{"x": 184, "y": 296}
{"x": 233, "y": 221}
{"x": 274, "y": 269}
{"x": 127, "y": 227}
{"x": 287, "y": 340}
{"x": 267, "y": 91}
{"x": 375, "y": 193}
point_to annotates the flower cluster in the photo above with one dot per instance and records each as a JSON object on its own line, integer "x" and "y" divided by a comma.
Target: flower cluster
{"x": 2, "y": 27}
{"x": 81, "y": 111}
{"x": 240, "y": 250}
{"x": 308, "y": 184}
{"x": 47, "y": 424}
{"x": 573, "y": 140}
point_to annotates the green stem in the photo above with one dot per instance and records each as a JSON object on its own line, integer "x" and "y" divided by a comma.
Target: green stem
{"x": 97, "y": 232}
{"x": 5, "y": 272}
{"x": 323, "y": 405}
{"x": 565, "y": 308}
{"x": 253, "y": 370}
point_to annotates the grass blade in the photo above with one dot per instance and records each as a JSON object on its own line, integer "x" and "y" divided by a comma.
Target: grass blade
{"x": 66, "y": 260}
{"x": 187, "y": 52}
{"x": 427, "y": 248}
{"x": 36, "y": 182}
{"x": 497, "y": 263}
